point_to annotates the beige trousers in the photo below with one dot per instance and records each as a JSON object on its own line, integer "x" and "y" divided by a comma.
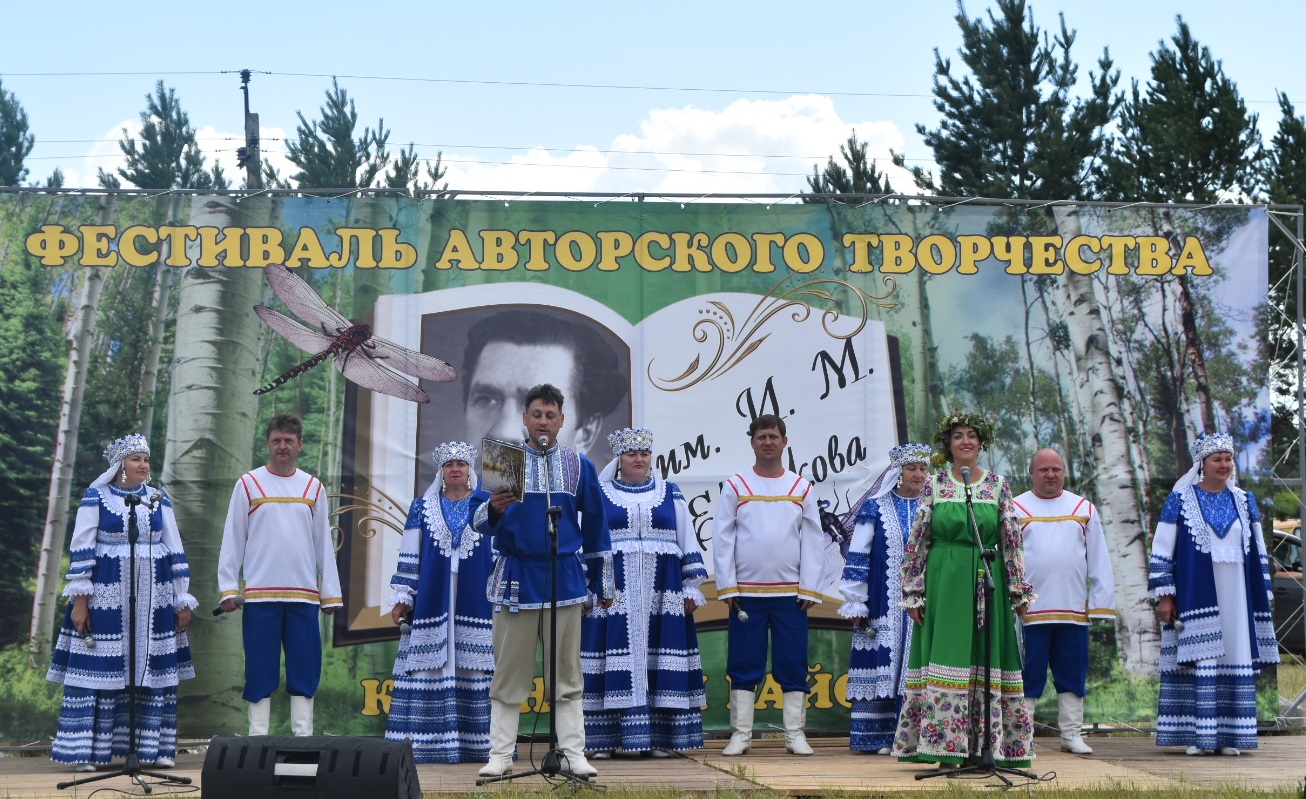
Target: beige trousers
{"x": 516, "y": 639}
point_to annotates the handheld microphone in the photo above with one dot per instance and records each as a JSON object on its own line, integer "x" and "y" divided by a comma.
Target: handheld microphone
{"x": 239, "y": 600}
{"x": 404, "y": 627}
{"x": 1178, "y": 625}
{"x": 543, "y": 441}
{"x": 88, "y": 639}
{"x": 742, "y": 615}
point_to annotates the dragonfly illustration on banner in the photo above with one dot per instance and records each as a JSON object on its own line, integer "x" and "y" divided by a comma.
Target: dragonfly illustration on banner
{"x": 362, "y": 358}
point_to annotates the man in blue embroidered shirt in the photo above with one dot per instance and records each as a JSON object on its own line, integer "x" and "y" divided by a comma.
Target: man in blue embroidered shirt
{"x": 519, "y": 586}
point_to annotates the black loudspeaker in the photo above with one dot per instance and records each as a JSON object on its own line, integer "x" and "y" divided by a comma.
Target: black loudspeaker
{"x": 282, "y": 767}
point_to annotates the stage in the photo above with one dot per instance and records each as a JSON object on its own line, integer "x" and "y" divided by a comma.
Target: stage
{"x": 1133, "y": 763}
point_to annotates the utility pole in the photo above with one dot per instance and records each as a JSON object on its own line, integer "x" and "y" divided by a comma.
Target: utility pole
{"x": 248, "y": 156}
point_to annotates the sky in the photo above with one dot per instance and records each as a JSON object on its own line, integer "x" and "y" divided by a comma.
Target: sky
{"x": 674, "y": 97}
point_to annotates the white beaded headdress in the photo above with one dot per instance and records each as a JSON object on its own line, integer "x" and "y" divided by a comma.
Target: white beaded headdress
{"x": 910, "y": 453}
{"x": 454, "y": 451}
{"x": 1202, "y": 448}
{"x": 119, "y": 451}
{"x": 630, "y": 438}
{"x": 1206, "y": 445}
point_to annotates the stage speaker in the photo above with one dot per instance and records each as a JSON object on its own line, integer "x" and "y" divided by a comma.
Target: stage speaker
{"x": 281, "y": 767}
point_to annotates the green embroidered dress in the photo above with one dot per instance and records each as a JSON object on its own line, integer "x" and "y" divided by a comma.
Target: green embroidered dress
{"x": 942, "y": 715}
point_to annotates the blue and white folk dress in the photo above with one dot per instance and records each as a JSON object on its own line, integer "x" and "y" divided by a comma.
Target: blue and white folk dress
{"x": 640, "y": 658}
{"x": 1209, "y": 555}
{"x": 441, "y": 697}
{"x": 93, "y": 718}
{"x": 872, "y": 590}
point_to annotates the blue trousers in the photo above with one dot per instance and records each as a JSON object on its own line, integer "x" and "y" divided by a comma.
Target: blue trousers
{"x": 1064, "y": 647}
{"x": 269, "y": 627}
{"x": 786, "y": 624}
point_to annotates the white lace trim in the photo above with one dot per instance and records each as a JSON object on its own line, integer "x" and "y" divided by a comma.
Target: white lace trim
{"x": 1205, "y": 539}
{"x": 442, "y": 536}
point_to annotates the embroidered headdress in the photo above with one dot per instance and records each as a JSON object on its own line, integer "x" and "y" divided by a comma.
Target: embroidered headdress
{"x": 119, "y": 451}
{"x": 1206, "y": 445}
{"x": 902, "y": 455}
{"x": 982, "y": 424}
{"x": 1202, "y": 448}
{"x": 899, "y": 457}
{"x": 629, "y": 439}
{"x": 454, "y": 451}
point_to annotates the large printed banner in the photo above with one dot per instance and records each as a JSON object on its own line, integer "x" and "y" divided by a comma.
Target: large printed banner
{"x": 1114, "y": 335}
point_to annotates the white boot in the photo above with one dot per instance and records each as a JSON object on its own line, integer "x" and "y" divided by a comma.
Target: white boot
{"x": 504, "y": 718}
{"x": 301, "y": 716}
{"x": 741, "y": 724}
{"x": 571, "y": 738}
{"x": 1070, "y": 718}
{"x": 795, "y": 716}
{"x": 260, "y": 715}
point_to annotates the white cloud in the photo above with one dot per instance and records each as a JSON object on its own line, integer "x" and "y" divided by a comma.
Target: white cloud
{"x": 748, "y": 147}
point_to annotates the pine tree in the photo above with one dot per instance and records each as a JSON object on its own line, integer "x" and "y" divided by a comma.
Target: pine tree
{"x": 328, "y": 155}
{"x": 1285, "y": 181}
{"x": 1011, "y": 127}
{"x": 15, "y": 141}
{"x": 857, "y": 174}
{"x": 168, "y": 156}
{"x": 1188, "y": 137}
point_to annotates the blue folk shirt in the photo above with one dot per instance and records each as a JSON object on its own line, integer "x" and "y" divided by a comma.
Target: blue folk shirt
{"x": 520, "y": 579}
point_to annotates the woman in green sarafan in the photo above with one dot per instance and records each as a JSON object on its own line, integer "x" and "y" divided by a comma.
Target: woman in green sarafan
{"x": 942, "y": 715}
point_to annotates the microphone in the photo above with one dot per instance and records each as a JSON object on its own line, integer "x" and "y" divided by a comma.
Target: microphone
{"x": 155, "y": 499}
{"x": 543, "y": 441}
{"x": 741, "y": 614}
{"x": 965, "y": 475}
{"x": 88, "y": 639}
{"x": 1178, "y": 625}
{"x": 239, "y": 600}
{"x": 404, "y": 627}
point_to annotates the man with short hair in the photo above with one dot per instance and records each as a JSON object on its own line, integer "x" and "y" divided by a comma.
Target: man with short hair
{"x": 278, "y": 539}
{"x": 1067, "y": 562}
{"x": 768, "y": 550}
{"x": 520, "y": 584}
{"x": 509, "y": 352}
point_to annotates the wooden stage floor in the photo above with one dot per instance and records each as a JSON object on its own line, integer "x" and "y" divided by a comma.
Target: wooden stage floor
{"x": 1125, "y": 762}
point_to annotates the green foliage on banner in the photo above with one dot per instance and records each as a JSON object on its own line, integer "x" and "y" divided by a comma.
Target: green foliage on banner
{"x": 31, "y": 362}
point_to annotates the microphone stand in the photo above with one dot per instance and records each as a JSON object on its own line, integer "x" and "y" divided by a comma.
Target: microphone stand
{"x": 553, "y": 759}
{"x": 983, "y": 584}
{"x": 131, "y": 766}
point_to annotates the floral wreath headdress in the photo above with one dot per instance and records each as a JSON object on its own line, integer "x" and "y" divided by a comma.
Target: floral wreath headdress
{"x": 982, "y": 423}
